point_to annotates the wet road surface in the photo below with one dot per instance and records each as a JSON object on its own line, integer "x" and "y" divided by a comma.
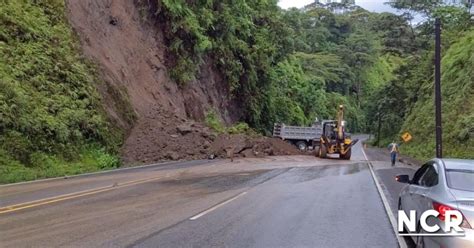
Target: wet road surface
{"x": 329, "y": 206}
{"x": 380, "y": 160}
{"x": 294, "y": 201}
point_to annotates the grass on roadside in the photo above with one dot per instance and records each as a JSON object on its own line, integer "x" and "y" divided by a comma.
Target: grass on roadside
{"x": 424, "y": 150}
{"x": 46, "y": 166}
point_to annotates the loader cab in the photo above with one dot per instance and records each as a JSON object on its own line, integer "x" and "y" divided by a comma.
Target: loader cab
{"x": 330, "y": 128}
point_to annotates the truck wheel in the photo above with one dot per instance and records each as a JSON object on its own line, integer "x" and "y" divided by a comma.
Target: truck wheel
{"x": 322, "y": 151}
{"x": 347, "y": 156}
{"x": 302, "y": 145}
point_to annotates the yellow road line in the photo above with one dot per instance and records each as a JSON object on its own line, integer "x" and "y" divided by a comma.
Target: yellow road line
{"x": 52, "y": 198}
{"x": 69, "y": 196}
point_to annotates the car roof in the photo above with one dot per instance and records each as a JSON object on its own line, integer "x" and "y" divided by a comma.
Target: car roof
{"x": 458, "y": 164}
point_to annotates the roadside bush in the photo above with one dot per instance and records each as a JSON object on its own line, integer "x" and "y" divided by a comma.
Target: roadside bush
{"x": 105, "y": 160}
{"x": 238, "y": 128}
{"x": 212, "y": 120}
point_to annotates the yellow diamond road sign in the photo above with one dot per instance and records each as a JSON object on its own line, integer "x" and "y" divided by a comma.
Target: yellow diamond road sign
{"x": 406, "y": 137}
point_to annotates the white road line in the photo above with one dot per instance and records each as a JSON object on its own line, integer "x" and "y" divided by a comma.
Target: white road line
{"x": 216, "y": 206}
{"x": 386, "y": 205}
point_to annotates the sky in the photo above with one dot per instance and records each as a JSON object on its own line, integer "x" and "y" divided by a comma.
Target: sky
{"x": 370, "y": 5}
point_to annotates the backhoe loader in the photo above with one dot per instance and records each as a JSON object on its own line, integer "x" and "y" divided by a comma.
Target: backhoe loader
{"x": 334, "y": 139}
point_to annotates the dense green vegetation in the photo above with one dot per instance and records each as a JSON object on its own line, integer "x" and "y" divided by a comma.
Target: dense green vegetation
{"x": 406, "y": 102}
{"x": 295, "y": 65}
{"x": 458, "y": 106}
{"x": 288, "y": 66}
{"x": 51, "y": 122}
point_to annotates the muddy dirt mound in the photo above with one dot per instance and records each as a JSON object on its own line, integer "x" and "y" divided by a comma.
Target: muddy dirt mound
{"x": 162, "y": 136}
{"x": 277, "y": 147}
{"x": 250, "y": 146}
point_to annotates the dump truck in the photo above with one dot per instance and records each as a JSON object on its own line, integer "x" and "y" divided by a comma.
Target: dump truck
{"x": 334, "y": 139}
{"x": 302, "y": 137}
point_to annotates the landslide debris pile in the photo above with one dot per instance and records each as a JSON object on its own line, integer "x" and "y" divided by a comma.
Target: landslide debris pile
{"x": 162, "y": 135}
{"x": 241, "y": 145}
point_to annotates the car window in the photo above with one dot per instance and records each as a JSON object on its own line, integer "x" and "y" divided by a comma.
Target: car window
{"x": 430, "y": 177}
{"x": 419, "y": 173}
{"x": 460, "y": 179}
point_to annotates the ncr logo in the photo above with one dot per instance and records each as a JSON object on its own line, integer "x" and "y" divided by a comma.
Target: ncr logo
{"x": 451, "y": 220}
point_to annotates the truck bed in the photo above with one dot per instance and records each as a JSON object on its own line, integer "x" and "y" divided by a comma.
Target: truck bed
{"x": 296, "y": 133}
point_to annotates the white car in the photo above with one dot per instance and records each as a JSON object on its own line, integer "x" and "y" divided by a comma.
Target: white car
{"x": 441, "y": 185}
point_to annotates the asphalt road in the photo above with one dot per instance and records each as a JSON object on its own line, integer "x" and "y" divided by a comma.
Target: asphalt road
{"x": 380, "y": 160}
{"x": 294, "y": 201}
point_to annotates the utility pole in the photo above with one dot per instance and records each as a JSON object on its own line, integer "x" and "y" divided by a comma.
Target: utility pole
{"x": 379, "y": 117}
{"x": 439, "y": 130}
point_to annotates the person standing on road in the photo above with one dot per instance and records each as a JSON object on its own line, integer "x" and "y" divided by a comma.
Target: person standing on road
{"x": 394, "y": 151}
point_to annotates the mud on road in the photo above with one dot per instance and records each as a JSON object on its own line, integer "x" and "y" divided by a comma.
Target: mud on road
{"x": 167, "y": 136}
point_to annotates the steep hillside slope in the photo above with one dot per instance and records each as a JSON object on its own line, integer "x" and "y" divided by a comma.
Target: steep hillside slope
{"x": 131, "y": 54}
{"x": 458, "y": 106}
{"x": 51, "y": 119}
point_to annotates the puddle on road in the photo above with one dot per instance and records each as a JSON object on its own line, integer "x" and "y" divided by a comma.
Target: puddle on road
{"x": 220, "y": 182}
{"x": 215, "y": 183}
{"x": 354, "y": 169}
{"x": 304, "y": 174}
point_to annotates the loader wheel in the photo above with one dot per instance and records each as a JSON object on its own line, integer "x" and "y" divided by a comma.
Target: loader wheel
{"x": 346, "y": 156}
{"x": 317, "y": 151}
{"x": 322, "y": 151}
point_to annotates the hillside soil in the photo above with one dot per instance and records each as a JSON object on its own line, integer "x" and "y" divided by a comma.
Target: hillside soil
{"x": 130, "y": 53}
{"x": 163, "y": 119}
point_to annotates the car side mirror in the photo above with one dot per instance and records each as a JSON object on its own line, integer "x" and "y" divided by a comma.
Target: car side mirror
{"x": 402, "y": 178}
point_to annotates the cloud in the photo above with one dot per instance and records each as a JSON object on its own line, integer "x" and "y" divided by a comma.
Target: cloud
{"x": 370, "y": 5}
{"x": 375, "y": 6}
{"x": 285, "y": 4}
